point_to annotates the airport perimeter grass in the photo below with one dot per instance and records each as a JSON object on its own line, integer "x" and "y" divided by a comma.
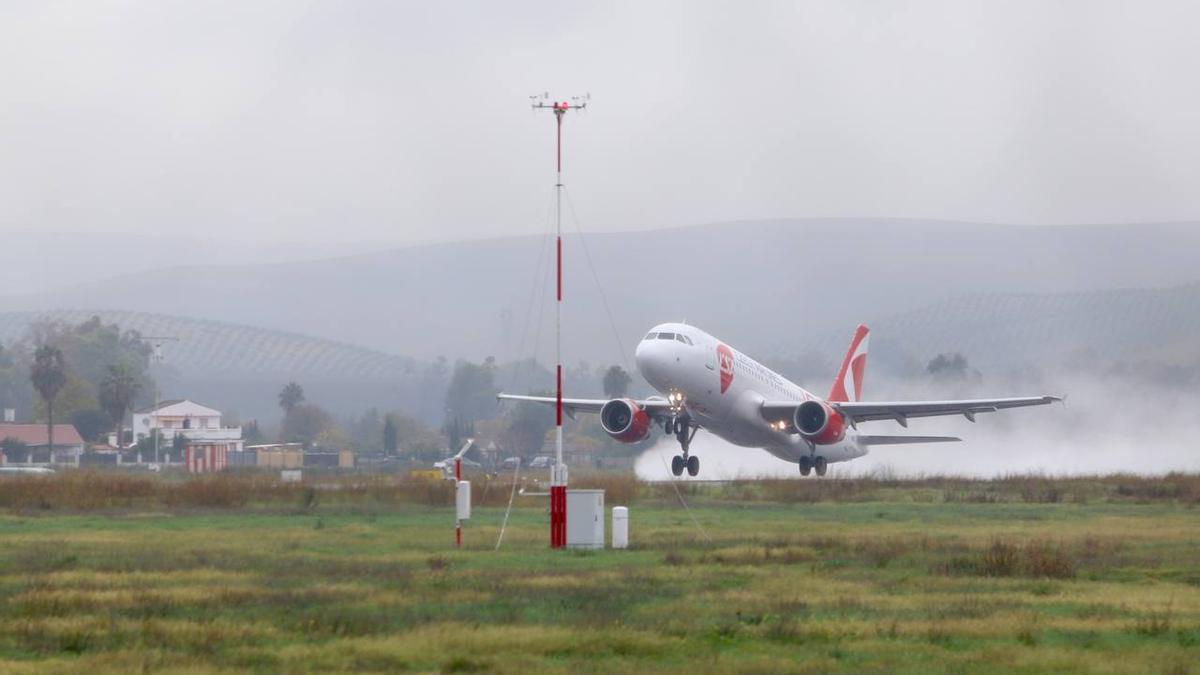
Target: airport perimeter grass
{"x": 890, "y": 576}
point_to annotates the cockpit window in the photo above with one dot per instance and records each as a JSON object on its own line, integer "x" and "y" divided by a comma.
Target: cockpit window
{"x": 666, "y": 336}
{"x": 680, "y": 337}
{"x": 651, "y": 336}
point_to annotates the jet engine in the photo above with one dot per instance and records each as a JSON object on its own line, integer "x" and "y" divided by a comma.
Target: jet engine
{"x": 819, "y": 423}
{"x": 624, "y": 420}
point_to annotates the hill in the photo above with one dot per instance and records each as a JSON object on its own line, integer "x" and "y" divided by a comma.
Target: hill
{"x": 1009, "y": 329}
{"x": 770, "y": 286}
{"x": 241, "y": 368}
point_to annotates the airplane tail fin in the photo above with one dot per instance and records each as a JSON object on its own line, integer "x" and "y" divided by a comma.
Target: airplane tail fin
{"x": 848, "y": 385}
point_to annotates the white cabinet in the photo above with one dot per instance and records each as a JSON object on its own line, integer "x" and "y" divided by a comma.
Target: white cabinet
{"x": 585, "y": 518}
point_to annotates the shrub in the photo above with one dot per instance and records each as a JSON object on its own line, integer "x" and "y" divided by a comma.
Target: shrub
{"x": 999, "y": 560}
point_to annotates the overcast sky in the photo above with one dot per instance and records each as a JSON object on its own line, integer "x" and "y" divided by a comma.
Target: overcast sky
{"x": 406, "y": 122}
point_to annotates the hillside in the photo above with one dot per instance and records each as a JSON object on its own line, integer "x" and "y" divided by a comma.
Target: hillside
{"x": 241, "y": 368}
{"x": 770, "y": 286}
{"x": 1006, "y": 330}
{"x": 210, "y": 348}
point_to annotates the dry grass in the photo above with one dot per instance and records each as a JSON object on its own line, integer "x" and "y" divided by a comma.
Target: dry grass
{"x": 894, "y": 584}
{"x": 114, "y": 490}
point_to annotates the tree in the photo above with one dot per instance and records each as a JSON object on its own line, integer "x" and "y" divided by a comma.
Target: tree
{"x": 48, "y": 374}
{"x": 90, "y": 423}
{"x": 291, "y": 396}
{"x": 251, "y": 434}
{"x": 391, "y": 435}
{"x": 304, "y": 423}
{"x": 9, "y": 447}
{"x": 616, "y": 382}
{"x": 117, "y": 391}
{"x": 527, "y": 428}
{"x": 952, "y": 367}
{"x": 472, "y": 392}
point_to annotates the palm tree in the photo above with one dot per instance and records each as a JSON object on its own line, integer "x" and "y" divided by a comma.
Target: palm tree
{"x": 49, "y": 374}
{"x": 117, "y": 391}
{"x": 291, "y": 396}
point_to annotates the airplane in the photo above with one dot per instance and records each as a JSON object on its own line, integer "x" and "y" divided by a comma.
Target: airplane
{"x": 710, "y": 385}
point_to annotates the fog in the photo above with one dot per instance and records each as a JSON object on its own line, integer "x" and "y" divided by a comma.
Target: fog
{"x": 1106, "y": 425}
{"x": 365, "y": 183}
{"x": 407, "y": 122}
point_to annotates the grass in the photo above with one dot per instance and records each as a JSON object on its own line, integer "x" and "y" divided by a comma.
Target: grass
{"x": 115, "y": 573}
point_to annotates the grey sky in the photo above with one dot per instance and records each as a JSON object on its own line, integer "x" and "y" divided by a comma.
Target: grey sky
{"x": 409, "y": 122}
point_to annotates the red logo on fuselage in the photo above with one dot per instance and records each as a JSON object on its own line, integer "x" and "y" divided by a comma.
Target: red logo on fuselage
{"x": 725, "y": 360}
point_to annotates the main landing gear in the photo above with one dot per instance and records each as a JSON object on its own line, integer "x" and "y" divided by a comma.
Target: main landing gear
{"x": 809, "y": 463}
{"x": 685, "y": 431}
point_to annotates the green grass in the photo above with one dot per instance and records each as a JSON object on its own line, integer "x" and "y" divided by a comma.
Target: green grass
{"x": 904, "y": 577}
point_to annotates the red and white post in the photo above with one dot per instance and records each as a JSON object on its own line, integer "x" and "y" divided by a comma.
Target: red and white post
{"x": 558, "y": 473}
{"x": 457, "y": 487}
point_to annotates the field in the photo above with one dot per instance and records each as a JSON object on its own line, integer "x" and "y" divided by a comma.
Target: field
{"x": 105, "y": 573}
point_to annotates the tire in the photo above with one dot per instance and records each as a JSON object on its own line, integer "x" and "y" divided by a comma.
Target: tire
{"x": 805, "y": 465}
{"x": 821, "y": 466}
{"x": 680, "y": 427}
{"x": 693, "y": 465}
{"x": 677, "y": 465}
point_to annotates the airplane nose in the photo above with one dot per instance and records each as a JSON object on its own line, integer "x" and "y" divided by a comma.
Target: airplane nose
{"x": 643, "y": 357}
{"x": 639, "y": 356}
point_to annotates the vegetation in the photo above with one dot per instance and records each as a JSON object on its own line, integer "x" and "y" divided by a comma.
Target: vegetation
{"x": 118, "y": 390}
{"x": 616, "y": 382}
{"x": 472, "y": 392}
{"x": 291, "y": 396}
{"x": 48, "y": 374}
{"x": 110, "y": 572}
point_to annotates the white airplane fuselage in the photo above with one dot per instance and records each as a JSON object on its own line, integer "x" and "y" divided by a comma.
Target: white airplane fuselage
{"x": 723, "y": 390}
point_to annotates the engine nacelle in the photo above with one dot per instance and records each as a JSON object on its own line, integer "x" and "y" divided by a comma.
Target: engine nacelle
{"x": 819, "y": 423}
{"x": 624, "y": 420}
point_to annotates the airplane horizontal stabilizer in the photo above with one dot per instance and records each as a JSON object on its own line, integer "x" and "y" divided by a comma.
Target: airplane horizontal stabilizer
{"x": 905, "y": 440}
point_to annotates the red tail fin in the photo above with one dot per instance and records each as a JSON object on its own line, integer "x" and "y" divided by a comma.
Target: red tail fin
{"x": 848, "y": 385}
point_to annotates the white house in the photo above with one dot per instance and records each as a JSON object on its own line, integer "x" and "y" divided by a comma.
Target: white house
{"x": 207, "y": 440}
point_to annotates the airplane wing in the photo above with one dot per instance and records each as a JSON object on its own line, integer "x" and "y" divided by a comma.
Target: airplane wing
{"x": 901, "y": 411}
{"x": 904, "y": 440}
{"x": 655, "y": 407}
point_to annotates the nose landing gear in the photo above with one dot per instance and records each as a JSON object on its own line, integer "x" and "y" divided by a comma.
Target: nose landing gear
{"x": 685, "y": 431}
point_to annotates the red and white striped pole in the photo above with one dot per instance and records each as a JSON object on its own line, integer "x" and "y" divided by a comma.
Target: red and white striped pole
{"x": 457, "y": 520}
{"x": 558, "y": 474}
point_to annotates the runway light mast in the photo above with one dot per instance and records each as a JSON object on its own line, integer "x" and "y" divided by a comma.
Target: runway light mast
{"x": 156, "y": 357}
{"x": 558, "y": 474}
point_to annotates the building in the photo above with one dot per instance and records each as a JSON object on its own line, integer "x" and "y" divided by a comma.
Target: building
{"x": 207, "y": 442}
{"x": 68, "y": 444}
{"x": 279, "y": 455}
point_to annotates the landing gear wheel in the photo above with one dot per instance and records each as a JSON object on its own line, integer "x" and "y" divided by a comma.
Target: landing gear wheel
{"x": 677, "y": 464}
{"x": 805, "y": 465}
{"x": 821, "y": 466}
{"x": 693, "y": 465}
{"x": 680, "y": 426}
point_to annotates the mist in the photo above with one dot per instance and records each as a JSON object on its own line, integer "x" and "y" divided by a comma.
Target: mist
{"x": 1107, "y": 425}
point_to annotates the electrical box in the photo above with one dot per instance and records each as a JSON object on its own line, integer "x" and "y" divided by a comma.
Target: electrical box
{"x": 585, "y": 518}
{"x": 620, "y": 527}
{"x": 462, "y": 499}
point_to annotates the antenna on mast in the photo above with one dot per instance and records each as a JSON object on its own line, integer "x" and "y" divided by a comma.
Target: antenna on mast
{"x": 558, "y": 475}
